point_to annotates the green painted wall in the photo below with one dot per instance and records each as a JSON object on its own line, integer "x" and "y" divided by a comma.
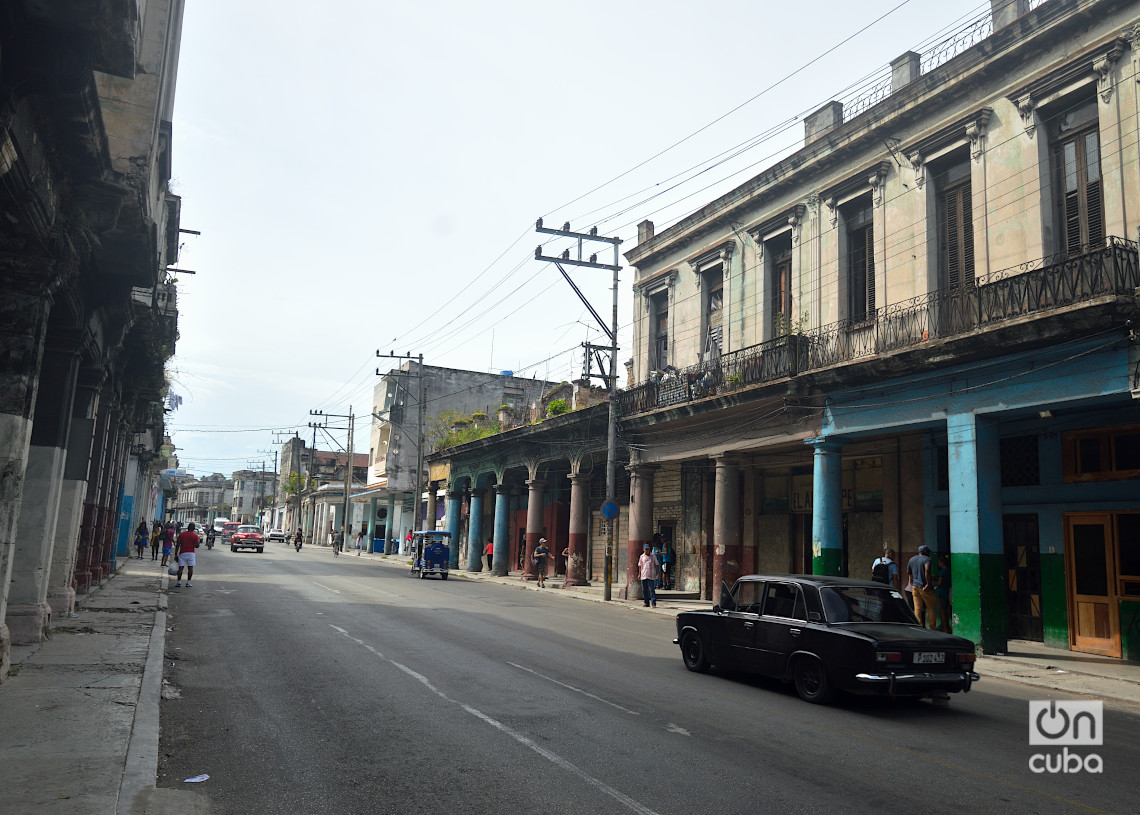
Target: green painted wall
{"x": 1054, "y": 601}
{"x": 1130, "y": 629}
{"x": 828, "y": 561}
{"x": 980, "y": 614}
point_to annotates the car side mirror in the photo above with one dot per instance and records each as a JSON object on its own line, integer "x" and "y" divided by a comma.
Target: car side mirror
{"x": 717, "y": 609}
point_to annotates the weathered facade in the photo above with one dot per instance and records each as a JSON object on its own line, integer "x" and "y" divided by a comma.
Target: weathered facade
{"x": 202, "y": 500}
{"x": 920, "y": 328}
{"x": 392, "y": 487}
{"x": 539, "y": 481}
{"x": 88, "y": 313}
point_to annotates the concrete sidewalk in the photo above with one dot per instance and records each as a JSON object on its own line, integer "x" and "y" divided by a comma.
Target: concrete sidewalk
{"x": 80, "y": 710}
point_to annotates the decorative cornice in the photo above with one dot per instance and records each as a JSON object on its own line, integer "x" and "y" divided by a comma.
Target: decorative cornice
{"x": 1103, "y": 69}
{"x": 856, "y": 182}
{"x": 1096, "y": 63}
{"x": 721, "y": 254}
{"x": 957, "y": 132}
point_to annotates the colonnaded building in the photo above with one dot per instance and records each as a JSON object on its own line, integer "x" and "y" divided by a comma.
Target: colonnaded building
{"x": 921, "y": 327}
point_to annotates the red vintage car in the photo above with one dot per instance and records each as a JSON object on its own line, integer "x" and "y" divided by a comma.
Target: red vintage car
{"x": 247, "y": 537}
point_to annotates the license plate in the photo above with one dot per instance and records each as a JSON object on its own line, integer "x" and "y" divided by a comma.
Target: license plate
{"x": 929, "y": 658}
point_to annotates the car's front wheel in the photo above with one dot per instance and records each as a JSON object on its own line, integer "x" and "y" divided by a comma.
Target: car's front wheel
{"x": 260, "y": 549}
{"x": 233, "y": 548}
{"x": 693, "y": 652}
{"x": 811, "y": 681}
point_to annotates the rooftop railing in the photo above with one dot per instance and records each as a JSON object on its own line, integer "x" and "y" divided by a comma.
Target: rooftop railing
{"x": 1037, "y": 287}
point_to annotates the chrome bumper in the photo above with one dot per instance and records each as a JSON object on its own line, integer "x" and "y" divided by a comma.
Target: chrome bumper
{"x": 892, "y": 680}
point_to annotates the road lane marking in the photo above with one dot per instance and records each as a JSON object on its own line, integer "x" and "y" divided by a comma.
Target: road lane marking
{"x": 553, "y": 758}
{"x": 326, "y": 588}
{"x": 571, "y": 687}
{"x": 673, "y": 728}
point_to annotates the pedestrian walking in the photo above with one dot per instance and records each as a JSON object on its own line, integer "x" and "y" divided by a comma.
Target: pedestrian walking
{"x": 489, "y": 552}
{"x": 942, "y": 594}
{"x": 539, "y": 560}
{"x": 155, "y": 539}
{"x": 167, "y": 543}
{"x": 648, "y": 570}
{"x": 141, "y": 538}
{"x": 918, "y": 569}
{"x": 359, "y": 542}
{"x": 885, "y": 570}
{"x": 186, "y": 554}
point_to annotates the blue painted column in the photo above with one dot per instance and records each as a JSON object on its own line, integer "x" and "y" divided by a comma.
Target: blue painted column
{"x": 454, "y": 503}
{"x": 827, "y": 507}
{"x": 390, "y": 530}
{"x": 475, "y": 532}
{"x": 502, "y": 542}
{"x": 977, "y": 550}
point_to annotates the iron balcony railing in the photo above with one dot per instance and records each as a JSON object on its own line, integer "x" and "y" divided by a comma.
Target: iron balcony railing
{"x": 1037, "y": 287}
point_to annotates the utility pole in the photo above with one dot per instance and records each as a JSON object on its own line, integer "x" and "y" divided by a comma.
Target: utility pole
{"x": 348, "y": 451}
{"x": 611, "y": 380}
{"x": 273, "y": 523}
{"x": 417, "y": 482}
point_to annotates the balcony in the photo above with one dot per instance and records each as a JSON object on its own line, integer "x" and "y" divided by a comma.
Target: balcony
{"x": 999, "y": 299}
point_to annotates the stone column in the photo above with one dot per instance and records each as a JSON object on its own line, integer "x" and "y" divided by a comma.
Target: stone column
{"x": 371, "y": 522}
{"x": 391, "y": 530}
{"x": 428, "y": 522}
{"x": 640, "y": 525}
{"x": 87, "y": 553}
{"x": 502, "y": 537}
{"x": 535, "y": 517}
{"x": 73, "y": 493}
{"x": 726, "y": 524}
{"x": 977, "y": 557}
{"x": 23, "y": 328}
{"x": 579, "y": 531}
{"x": 28, "y": 610}
{"x": 475, "y": 532}
{"x": 827, "y": 507}
{"x": 454, "y": 504}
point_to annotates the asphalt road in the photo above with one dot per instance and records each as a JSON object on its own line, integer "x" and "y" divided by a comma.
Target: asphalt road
{"x": 306, "y": 684}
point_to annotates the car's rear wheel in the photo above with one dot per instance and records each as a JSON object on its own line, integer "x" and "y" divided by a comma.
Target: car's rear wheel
{"x": 811, "y": 681}
{"x": 693, "y": 652}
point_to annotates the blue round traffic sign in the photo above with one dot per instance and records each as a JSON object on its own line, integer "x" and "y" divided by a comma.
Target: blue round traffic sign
{"x": 610, "y": 510}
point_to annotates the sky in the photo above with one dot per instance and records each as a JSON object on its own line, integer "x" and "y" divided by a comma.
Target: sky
{"x": 367, "y": 174}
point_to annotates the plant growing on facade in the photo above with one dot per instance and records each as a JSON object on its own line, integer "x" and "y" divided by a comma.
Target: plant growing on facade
{"x": 557, "y": 407}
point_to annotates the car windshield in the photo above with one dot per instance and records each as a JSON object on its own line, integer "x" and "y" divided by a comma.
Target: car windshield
{"x": 864, "y": 604}
{"x": 248, "y": 529}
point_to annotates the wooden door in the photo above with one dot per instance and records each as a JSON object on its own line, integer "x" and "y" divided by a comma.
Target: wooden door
{"x": 1094, "y": 615}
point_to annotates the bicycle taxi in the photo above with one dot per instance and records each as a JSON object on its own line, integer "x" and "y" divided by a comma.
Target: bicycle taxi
{"x": 431, "y": 553}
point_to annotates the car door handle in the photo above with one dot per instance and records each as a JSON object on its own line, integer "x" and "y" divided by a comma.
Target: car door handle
{"x": 795, "y": 632}
{"x": 747, "y": 624}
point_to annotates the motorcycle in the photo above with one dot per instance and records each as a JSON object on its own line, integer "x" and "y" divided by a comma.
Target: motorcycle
{"x": 297, "y": 543}
{"x": 209, "y": 541}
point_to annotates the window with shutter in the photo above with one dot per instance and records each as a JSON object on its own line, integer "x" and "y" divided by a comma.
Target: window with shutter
{"x": 858, "y": 219}
{"x": 956, "y": 236}
{"x": 1080, "y": 205}
{"x": 779, "y": 249}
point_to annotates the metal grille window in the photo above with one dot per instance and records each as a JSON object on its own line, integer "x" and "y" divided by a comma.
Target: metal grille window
{"x": 1020, "y": 466}
{"x": 858, "y": 219}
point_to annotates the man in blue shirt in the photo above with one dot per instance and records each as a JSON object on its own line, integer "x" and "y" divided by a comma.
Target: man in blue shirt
{"x": 922, "y": 586}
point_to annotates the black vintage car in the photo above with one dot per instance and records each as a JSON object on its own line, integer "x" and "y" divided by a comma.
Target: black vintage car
{"x": 825, "y": 634}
